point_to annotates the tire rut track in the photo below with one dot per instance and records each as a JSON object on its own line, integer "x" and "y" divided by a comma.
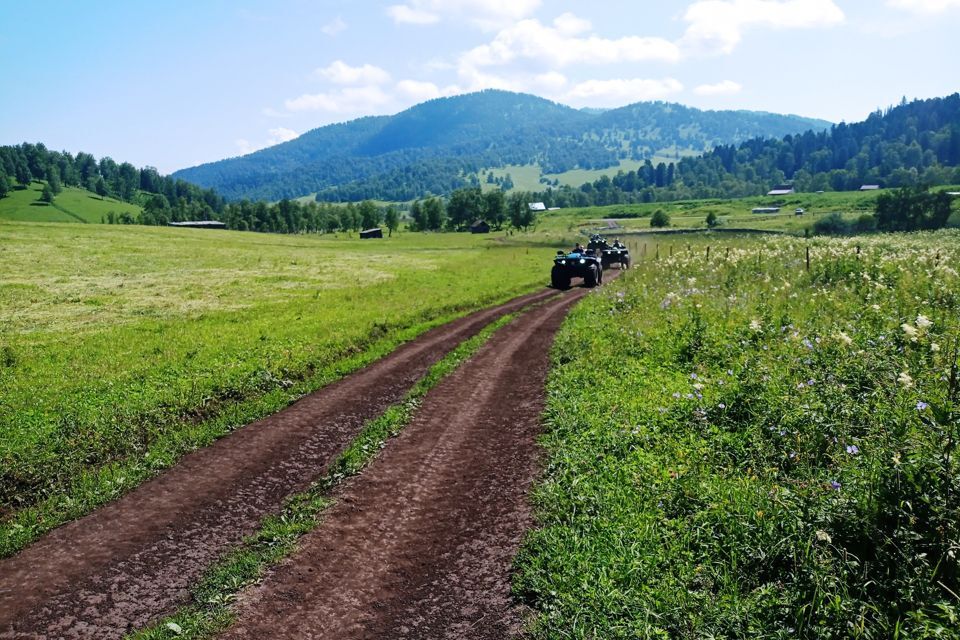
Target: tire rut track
{"x": 420, "y": 545}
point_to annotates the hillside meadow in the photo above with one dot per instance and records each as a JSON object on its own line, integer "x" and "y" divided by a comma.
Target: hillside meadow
{"x": 71, "y": 205}
{"x": 742, "y": 446}
{"x": 122, "y": 347}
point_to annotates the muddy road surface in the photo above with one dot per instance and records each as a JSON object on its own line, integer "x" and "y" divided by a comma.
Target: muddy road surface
{"x": 421, "y": 544}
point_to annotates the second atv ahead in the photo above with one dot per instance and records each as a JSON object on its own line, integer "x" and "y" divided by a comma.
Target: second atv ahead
{"x": 610, "y": 254}
{"x": 566, "y": 266}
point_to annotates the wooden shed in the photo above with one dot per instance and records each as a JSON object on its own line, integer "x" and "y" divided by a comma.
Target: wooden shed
{"x": 376, "y": 232}
{"x": 480, "y": 226}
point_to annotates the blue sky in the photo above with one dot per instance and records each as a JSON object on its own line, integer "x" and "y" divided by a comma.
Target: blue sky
{"x": 178, "y": 83}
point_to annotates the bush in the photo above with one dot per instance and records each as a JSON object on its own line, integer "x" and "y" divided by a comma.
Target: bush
{"x": 712, "y": 220}
{"x": 912, "y": 210}
{"x": 832, "y": 224}
{"x": 866, "y": 223}
{"x": 660, "y": 219}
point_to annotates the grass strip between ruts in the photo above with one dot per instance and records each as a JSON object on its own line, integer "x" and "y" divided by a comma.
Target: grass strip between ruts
{"x": 209, "y": 612}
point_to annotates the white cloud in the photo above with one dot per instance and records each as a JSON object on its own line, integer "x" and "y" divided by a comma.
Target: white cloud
{"x": 717, "y": 26}
{"x": 340, "y": 72}
{"x": 403, "y": 14}
{"x": 418, "y": 91}
{"x": 617, "y": 92}
{"x": 928, "y": 7}
{"x": 570, "y": 25}
{"x": 277, "y": 135}
{"x": 350, "y": 101}
{"x": 552, "y": 81}
{"x": 487, "y": 14}
{"x": 334, "y": 27}
{"x": 725, "y": 88}
{"x": 530, "y": 39}
{"x": 281, "y": 134}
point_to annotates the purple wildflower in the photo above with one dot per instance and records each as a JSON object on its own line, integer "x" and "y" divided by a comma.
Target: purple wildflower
{"x": 853, "y": 449}
{"x": 810, "y": 382}
{"x": 921, "y": 405}
{"x": 676, "y": 394}
{"x": 807, "y": 343}
{"x": 722, "y": 406}
{"x": 835, "y": 485}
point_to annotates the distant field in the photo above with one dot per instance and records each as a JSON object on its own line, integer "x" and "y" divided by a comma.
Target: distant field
{"x": 72, "y": 205}
{"x": 130, "y": 337}
{"x": 732, "y": 213}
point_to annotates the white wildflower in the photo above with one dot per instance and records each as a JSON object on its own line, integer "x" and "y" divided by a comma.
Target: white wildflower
{"x": 923, "y": 322}
{"x": 844, "y": 338}
{"x": 755, "y": 325}
{"x": 934, "y": 347}
{"x": 910, "y": 331}
{"x": 905, "y": 380}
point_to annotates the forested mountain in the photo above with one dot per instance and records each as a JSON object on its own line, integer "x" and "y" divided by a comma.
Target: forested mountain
{"x": 913, "y": 144}
{"x": 440, "y": 145}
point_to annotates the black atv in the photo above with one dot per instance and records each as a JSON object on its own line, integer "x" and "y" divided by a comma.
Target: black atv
{"x": 609, "y": 253}
{"x": 567, "y": 266}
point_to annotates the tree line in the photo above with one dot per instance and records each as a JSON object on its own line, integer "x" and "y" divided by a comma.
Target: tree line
{"x": 170, "y": 200}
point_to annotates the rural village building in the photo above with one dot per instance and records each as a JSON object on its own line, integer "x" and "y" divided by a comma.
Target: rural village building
{"x": 376, "y": 232}
{"x": 480, "y": 226}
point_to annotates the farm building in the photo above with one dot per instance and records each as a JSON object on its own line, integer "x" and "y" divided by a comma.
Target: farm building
{"x": 766, "y": 210}
{"x": 869, "y": 187}
{"x": 781, "y": 190}
{"x": 480, "y": 226}
{"x": 537, "y": 206}
{"x": 376, "y": 232}
{"x": 200, "y": 224}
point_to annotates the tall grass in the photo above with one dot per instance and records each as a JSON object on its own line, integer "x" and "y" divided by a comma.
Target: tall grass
{"x": 740, "y": 447}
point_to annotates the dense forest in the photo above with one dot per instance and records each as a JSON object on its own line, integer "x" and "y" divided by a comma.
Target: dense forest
{"x": 913, "y": 144}
{"x": 164, "y": 199}
{"x": 441, "y": 145}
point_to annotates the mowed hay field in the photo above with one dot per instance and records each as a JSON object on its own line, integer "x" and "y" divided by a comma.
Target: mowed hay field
{"x": 71, "y": 205}
{"x": 122, "y": 347}
{"x": 740, "y": 447}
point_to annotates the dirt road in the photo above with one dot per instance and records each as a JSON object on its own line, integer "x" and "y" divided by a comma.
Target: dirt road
{"x": 420, "y": 545}
{"x": 132, "y": 561}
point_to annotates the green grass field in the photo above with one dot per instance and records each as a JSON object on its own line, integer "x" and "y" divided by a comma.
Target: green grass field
{"x": 742, "y": 448}
{"x": 120, "y": 345}
{"x": 71, "y": 205}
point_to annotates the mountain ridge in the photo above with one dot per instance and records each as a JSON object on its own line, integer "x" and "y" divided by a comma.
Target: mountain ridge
{"x": 441, "y": 144}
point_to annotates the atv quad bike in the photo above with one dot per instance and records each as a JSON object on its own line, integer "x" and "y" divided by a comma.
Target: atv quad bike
{"x": 567, "y": 266}
{"x": 609, "y": 254}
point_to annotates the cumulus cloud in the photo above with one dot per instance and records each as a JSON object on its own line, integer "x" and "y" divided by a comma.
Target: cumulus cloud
{"x": 340, "y": 72}
{"x": 555, "y": 46}
{"x": 725, "y": 88}
{"x": 570, "y": 25}
{"x": 349, "y": 101}
{"x": 277, "y": 135}
{"x": 419, "y": 91}
{"x": 487, "y": 14}
{"x": 621, "y": 91}
{"x": 552, "y": 81}
{"x": 334, "y": 27}
{"x": 717, "y": 26}
{"x": 404, "y": 14}
{"x": 928, "y": 7}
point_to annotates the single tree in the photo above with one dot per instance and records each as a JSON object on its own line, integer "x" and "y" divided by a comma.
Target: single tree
{"x": 660, "y": 219}
{"x": 4, "y": 184}
{"x": 495, "y": 208}
{"x": 392, "y": 219}
{"x": 101, "y": 187}
{"x": 369, "y": 214}
{"x": 53, "y": 179}
{"x": 47, "y": 194}
{"x": 712, "y": 219}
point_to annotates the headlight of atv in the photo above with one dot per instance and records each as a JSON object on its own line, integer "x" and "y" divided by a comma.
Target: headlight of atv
{"x": 582, "y": 261}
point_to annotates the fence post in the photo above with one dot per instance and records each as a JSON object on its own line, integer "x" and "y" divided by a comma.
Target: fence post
{"x": 708, "y": 253}
{"x": 808, "y": 258}
{"x": 658, "y": 251}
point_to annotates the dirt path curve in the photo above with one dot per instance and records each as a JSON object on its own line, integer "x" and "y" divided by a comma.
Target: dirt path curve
{"x": 133, "y": 560}
{"x": 420, "y": 545}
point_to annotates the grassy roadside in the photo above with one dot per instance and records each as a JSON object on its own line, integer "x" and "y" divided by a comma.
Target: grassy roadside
{"x": 741, "y": 447}
{"x": 210, "y": 611}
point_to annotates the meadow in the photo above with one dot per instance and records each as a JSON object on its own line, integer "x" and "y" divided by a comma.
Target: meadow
{"x": 71, "y": 205}
{"x": 742, "y": 446}
{"x": 122, "y": 347}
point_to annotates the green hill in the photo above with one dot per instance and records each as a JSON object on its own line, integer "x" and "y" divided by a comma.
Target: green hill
{"x": 445, "y": 144}
{"x": 71, "y": 205}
